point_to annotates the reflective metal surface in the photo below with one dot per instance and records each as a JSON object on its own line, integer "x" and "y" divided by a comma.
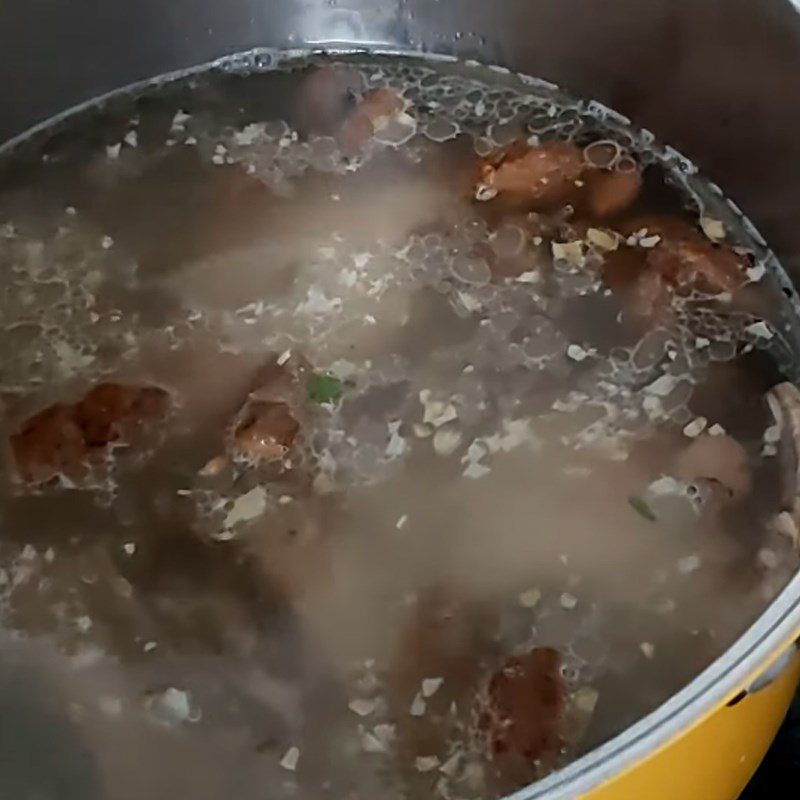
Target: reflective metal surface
{"x": 719, "y": 79}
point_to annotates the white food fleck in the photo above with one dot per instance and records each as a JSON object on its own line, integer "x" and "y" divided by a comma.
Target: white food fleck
{"x": 648, "y": 650}
{"x": 436, "y": 412}
{"x": 662, "y": 386}
{"x": 317, "y": 303}
{"x": 689, "y": 564}
{"x": 70, "y": 360}
{"x": 450, "y": 767}
{"x": 370, "y": 743}
{"x": 716, "y": 430}
{"x": 649, "y": 241}
{"x": 665, "y": 485}
{"x": 28, "y": 553}
{"x": 475, "y": 470}
{"x": 585, "y": 699}
{"x": 418, "y": 706}
{"x": 772, "y": 435}
{"x": 290, "y": 759}
{"x": 529, "y": 598}
{"x": 446, "y": 441}
{"x": 284, "y": 357}
{"x": 469, "y": 301}
{"x": 484, "y": 192}
{"x": 515, "y": 433}
{"x": 426, "y": 763}
{"x": 695, "y": 427}
{"x": 397, "y": 444}
{"x": 712, "y": 228}
{"x": 760, "y": 329}
{"x": 603, "y": 239}
{"x": 113, "y": 150}
{"x": 422, "y": 431}
{"x": 577, "y": 353}
{"x": 348, "y": 278}
{"x": 430, "y": 686}
{"x": 385, "y": 733}
{"x": 131, "y": 139}
{"x": 362, "y": 706}
{"x": 173, "y": 706}
{"x": 179, "y": 120}
{"x": 247, "y": 507}
{"x": 249, "y": 135}
{"x": 784, "y": 523}
{"x": 571, "y": 252}
{"x": 568, "y": 601}
{"x": 83, "y": 624}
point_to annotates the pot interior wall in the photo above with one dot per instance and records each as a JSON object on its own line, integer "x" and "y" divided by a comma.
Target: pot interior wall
{"x": 719, "y": 79}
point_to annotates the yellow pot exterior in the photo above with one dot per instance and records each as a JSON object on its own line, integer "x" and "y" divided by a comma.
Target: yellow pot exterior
{"x": 715, "y": 758}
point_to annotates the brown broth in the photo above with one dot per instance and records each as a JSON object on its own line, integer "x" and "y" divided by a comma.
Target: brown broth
{"x": 413, "y": 440}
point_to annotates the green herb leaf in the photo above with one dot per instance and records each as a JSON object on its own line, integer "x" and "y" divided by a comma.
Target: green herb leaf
{"x": 642, "y": 509}
{"x": 324, "y": 389}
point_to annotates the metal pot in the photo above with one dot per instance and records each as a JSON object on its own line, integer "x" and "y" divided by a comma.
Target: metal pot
{"x": 719, "y": 79}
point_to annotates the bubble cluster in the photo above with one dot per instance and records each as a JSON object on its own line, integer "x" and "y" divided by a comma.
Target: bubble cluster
{"x": 54, "y": 317}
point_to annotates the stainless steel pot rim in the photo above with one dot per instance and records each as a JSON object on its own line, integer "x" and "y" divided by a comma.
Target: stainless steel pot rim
{"x": 761, "y": 644}
{"x": 260, "y": 58}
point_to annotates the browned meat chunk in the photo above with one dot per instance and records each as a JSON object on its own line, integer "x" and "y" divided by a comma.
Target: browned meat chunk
{"x": 376, "y": 109}
{"x": 330, "y": 102}
{"x": 525, "y": 716}
{"x": 554, "y": 173}
{"x": 72, "y": 440}
{"x": 113, "y": 414}
{"x": 381, "y": 104}
{"x": 541, "y": 176}
{"x": 610, "y": 192}
{"x": 679, "y": 261}
{"x": 693, "y": 263}
{"x": 650, "y": 296}
{"x": 266, "y": 431}
{"x": 264, "y": 428}
{"x": 50, "y": 444}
